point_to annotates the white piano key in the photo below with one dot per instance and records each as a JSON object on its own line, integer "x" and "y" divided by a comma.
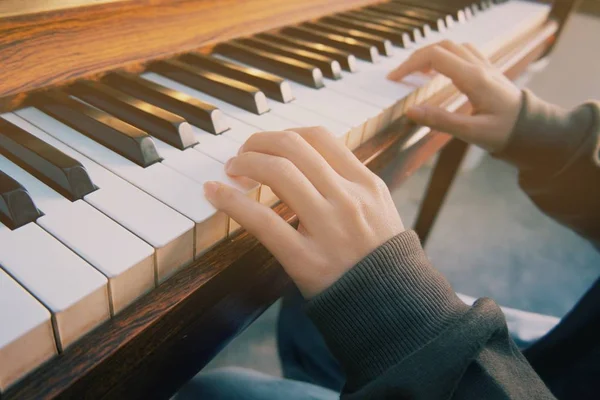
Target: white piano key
{"x": 75, "y": 292}
{"x": 170, "y": 233}
{"x": 174, "y": 189}
{"x": 220, "y": 148}
{"x": 202, "y": 168}
{"x": 240, "y": 131}
{"x": 124, "y": 259}
{"x": 360, "y": 116}
{"x": 26, "y": 338}
{"x": 270, "y": 121}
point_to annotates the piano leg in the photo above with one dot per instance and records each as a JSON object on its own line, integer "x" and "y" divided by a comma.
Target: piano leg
{"x": 444, "y": 172}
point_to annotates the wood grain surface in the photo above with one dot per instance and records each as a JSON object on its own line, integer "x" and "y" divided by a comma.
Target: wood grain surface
{"x": 59, "y": 46}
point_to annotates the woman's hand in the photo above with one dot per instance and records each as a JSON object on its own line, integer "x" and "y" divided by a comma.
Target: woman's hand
{"x": 495, "y": 99}
{"x": 345, "y": 210}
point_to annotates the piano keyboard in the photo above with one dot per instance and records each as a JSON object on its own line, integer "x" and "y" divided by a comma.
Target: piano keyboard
{"x": 101, "y": 195}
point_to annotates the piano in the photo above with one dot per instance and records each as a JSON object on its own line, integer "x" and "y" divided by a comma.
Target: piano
{"x": 117, "y": 278}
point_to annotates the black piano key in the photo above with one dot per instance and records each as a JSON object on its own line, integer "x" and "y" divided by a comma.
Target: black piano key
{"x": 383, "y": 45}
{"x": 424, "y": 27}
{"x": 273, "y": 86}
{"x": 346, "y": 60}
{"x": 434, "y": 20}
{"x": 196, "y": 112}
{"x": 416, "y": 31}
{"x": 50, "y": 165}
{"x": 16, "y": 206}
{"x": 238, "y": 93}
{"x": 360, "y": 49}
{"x": 457, "y": 12}
{"x": 400, "y": 39}
{"x": 299, "y": 71}
{"x": 129, "y": 141}
{"x": 329, "y": 67}
{"x": 418, "y": 10}
{"x": 159, "y": 123}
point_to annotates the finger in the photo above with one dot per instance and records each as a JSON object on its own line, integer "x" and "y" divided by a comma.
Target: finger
{"x": 476, "y": 53}
{"x": 284, "y": 179}
{"x": 437, "y": 118}
{"x": 460, "y": 50}
{"x": 438, "y": 59}
{"x": 280, "y": 238}
{"x": 339, "y": 157}
{"x": 292, "y": 146}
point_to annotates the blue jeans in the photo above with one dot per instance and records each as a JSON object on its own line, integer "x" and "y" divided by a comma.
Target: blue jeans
{"x": 310, "y": 371}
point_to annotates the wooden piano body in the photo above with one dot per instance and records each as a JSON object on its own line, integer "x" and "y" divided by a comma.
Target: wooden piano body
{"x": 154, "y": 346}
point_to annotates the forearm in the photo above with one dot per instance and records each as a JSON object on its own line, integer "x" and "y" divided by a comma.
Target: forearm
{"x": 557, "y": 153}
{"x": 398, "y": 328}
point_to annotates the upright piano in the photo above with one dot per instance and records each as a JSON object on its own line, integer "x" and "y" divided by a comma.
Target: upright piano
{"x": 117, "y": 278}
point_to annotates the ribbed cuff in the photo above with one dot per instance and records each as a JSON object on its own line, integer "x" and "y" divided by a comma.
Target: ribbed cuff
{"x": 389, "y": 305}
{"x": 545, "y": 136}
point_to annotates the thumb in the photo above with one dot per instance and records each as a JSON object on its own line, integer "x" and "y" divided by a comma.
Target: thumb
{"x": 442, "y": 120}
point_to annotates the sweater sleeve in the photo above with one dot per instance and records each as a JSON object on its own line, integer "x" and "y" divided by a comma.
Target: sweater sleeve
{"x": 400, "y": 331}
{"x": 558, "y": 156}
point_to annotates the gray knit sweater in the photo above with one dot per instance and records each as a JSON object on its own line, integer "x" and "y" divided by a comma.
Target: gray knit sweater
{"x": 396, "y": 325}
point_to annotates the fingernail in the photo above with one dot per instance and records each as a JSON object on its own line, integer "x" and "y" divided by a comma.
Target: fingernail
{"x": 228, "y": 164}
{"x": 210, "y": 188}
{"x": 240, "y": 150}
{"x": 416, "y": 112}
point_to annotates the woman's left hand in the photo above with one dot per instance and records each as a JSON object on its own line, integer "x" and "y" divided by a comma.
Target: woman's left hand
{"x": 345, "y": 210}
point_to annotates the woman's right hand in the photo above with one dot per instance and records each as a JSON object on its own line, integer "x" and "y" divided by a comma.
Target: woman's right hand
{"x": 495, "y": 99}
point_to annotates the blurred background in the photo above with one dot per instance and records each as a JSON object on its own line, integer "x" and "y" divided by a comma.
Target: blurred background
{"x": 489, "y": 239}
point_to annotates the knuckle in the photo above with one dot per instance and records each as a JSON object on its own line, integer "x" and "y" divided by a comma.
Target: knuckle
{"x": 479, "y": 73}
{"x": 284, "y": 166}
{"x": 287, "y": 140}
{"x": 447, "y": 43}
{"x": 377, "y": 185}
{"x": 315, "y": 133}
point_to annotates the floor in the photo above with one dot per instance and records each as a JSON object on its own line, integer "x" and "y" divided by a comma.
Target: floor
{"x": 489, "y": 239}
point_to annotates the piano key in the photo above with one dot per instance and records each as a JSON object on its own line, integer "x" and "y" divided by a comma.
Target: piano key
{"x": 239, "y": 132}
{"x": 346, "y": 60}
{"x": 329, "y": 67}
{"x": 59, "y": 171}
{"x": 400, "y": 39}
{"x": 384, "y": 46}
{"x": 273, "y": 86}
{"x": 298, "y": 71}
{"x": 202, "y": 168}
{"x": 359, "y": 115}
{"x": 432, "y": 19}
{"x": 320, "y": 101}
{"x": 126, "y": 140}
{"x": 203, "y": 115}
{"x": 416, "y": 31}
{"x": 241, "y": 94}
{"x": 16, "y": 206}
{"x": 265, "y": 122}
{"x": 359, "y": 49}
{"x": 168, "y": 232}
{"x": 147, "y": 117}
{"x": 168, "y": 186}
{"x": 419, "y": 10}
{"x": 26, "y": 337}
{"x": 459, "y": 13}
{"x": 129, "y": 265}
{"x": 75, "y": 293}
